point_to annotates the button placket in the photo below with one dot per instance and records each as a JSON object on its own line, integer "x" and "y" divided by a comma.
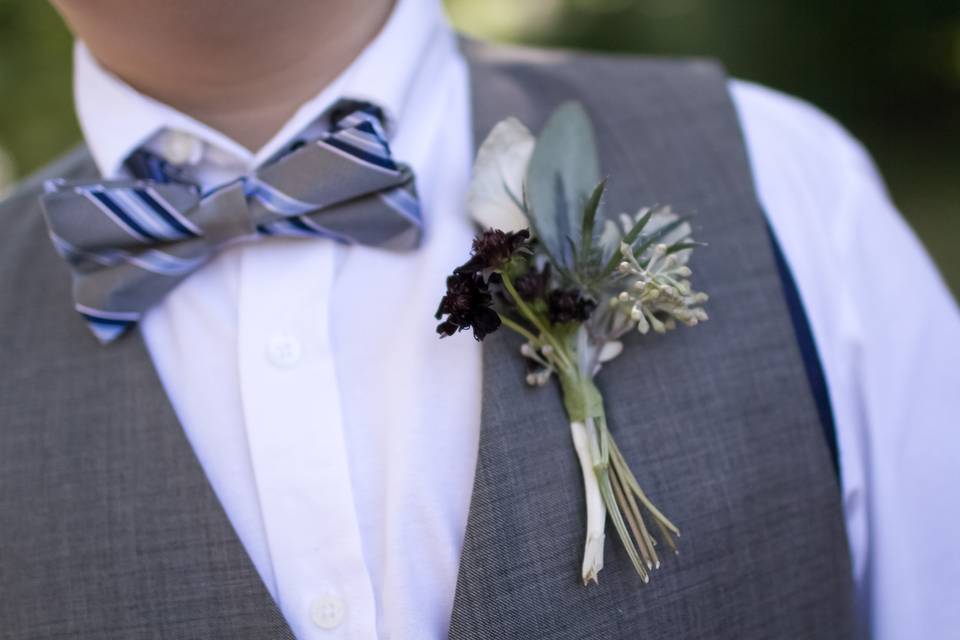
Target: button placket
{"x": 291, "y": 398}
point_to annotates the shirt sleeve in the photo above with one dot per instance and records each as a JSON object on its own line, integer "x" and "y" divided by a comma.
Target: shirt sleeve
{"x": 888, "y": 334}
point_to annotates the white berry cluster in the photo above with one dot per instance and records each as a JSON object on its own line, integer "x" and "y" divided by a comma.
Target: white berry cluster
{"x": 656, "y": 293}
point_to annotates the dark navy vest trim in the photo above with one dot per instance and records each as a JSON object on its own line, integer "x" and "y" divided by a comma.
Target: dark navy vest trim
{"x": 808, "y": 351}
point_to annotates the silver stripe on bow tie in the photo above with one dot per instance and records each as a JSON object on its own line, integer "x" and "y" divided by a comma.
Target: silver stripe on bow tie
{"x": 130, "y": 242}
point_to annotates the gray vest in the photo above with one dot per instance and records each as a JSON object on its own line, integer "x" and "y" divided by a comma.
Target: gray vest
{"x": 109, "y": 529}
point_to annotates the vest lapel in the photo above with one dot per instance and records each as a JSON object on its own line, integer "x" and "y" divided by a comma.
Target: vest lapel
{"x": 116, "y": 533}
{"x": 718, "y": 422}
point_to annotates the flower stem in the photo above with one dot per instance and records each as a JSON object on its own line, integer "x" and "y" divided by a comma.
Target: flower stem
{"x": 639, "y": 533}
{"x": 516, "y": 326}
{"x": 596, "y": 510}
{"x": 537, "y": 321}
{"x": 635, "y": 518}
{"x": 635, "y": 487}
{"x": 609, "y": 476}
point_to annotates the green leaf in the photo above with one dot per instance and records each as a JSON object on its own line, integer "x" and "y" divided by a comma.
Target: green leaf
{"x": 590, "y": 217}
{"x": 657, "y": 235}
{"x": 563, "y": 173}
{"x": 681, "y": 246}
{"x": 629, "y": 238}
{"x": 573, "y": 253}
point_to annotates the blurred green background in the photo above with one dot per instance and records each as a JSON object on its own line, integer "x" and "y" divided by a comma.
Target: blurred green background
{"x": 889, "y": 70}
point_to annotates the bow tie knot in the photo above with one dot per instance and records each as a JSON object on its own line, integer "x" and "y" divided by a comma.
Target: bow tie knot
{"x": 129, "y": 242}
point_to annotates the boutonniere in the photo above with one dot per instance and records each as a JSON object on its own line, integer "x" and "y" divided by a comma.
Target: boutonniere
{"x": 572, "y": 281}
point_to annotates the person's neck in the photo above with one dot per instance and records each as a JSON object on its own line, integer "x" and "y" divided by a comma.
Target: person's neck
{"x": 242, "y": 67}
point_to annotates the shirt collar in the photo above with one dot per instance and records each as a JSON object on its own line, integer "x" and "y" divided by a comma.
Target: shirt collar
{"x": 116, "y": 119}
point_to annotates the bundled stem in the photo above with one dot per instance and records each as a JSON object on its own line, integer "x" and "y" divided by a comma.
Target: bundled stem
{"x": 622, "y": 500}
{"x": 610, "y": 487}
{"x": 596, "y": 509}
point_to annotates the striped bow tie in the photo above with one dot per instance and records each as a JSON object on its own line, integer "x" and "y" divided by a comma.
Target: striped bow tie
{"x": 129, "y": 242}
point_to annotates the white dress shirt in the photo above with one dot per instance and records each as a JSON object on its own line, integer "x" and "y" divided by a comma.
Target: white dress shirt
{"x": 341, "y": 435}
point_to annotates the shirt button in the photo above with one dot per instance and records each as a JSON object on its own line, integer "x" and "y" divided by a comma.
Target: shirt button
{"x": 284, "y": 350}
{"x": 327, "y": 612}
{"x": 180, "y": 148}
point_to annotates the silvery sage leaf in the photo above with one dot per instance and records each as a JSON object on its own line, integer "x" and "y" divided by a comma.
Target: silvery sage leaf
{"x": 563, "y": 173}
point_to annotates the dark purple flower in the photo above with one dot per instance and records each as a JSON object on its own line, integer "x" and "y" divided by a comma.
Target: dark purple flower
{"x": 492, "y": 249}
{"x": 533, "y": 284}
{"x": 567, "y": 305}
{"x": 467, "y": 304}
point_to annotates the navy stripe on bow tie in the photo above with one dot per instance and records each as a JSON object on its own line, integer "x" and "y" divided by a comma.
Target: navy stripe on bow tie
{"x": 129, "y": 242}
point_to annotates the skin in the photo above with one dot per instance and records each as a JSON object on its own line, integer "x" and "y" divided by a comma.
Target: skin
{"x": 242, "y": 67}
